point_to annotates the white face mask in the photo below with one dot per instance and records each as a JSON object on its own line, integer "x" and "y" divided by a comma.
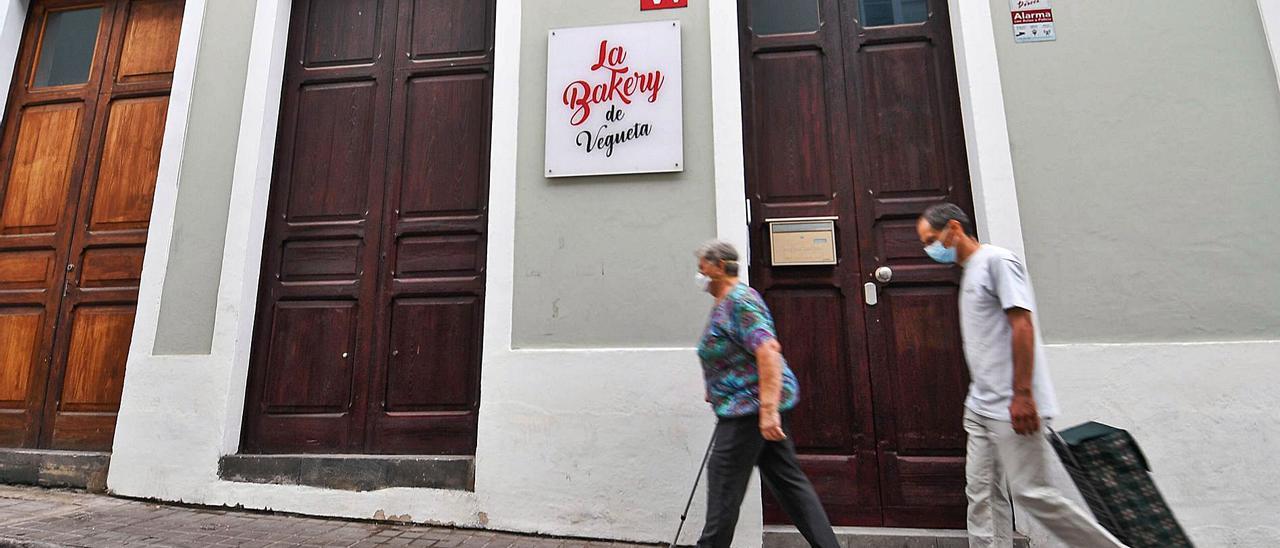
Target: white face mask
{"x": 703, "y": 281}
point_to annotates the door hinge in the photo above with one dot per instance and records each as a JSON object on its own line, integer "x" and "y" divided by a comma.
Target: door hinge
{"x": 748, "y": 211}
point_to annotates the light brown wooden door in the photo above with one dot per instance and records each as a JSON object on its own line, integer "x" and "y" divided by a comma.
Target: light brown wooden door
{"x": 81, "y": 146}
{"x": 852, "y": 112}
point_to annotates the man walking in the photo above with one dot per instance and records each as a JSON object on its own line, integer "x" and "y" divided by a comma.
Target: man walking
{"x": 1010, "y": 392}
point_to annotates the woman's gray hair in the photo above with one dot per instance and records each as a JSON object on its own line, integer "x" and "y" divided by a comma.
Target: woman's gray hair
{"x": 716, "y": 251}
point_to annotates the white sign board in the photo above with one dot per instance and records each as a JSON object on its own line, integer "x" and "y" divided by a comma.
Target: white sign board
{"x": 613, "y": 100}
{"x": 1032, "y": 21}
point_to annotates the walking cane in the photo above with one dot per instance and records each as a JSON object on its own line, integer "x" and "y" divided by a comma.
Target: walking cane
{"x": 684, "y": 515}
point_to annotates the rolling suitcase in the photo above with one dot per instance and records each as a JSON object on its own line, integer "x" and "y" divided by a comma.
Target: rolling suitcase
{"x": 1115, "y": 480}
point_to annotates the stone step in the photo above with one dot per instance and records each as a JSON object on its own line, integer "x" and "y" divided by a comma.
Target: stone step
{"x": 776, "y": 536}
{"x": 48, "y": 468}
{"x": 352, "y": 472}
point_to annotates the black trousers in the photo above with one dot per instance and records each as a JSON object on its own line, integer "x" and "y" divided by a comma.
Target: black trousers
{"x": 739, "y": 447}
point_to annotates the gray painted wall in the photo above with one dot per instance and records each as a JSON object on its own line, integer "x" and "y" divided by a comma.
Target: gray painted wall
{"x": 189, "y": 299}
{"x": 1146, "y": 146}
{"x": 608, "y": 261}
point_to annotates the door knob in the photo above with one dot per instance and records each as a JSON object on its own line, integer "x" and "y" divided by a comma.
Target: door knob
{"x": 884, "y": 274}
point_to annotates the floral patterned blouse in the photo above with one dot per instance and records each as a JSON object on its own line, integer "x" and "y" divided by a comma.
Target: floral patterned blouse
{"x": 739, "y": 324}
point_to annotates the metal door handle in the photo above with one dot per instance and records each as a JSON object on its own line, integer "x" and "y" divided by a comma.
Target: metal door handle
{"x": 884, "y": 274}
{"x": 871, "y": 292}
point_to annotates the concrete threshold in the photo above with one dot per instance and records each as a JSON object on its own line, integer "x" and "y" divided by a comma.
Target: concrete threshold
{"x": 780, "y": 536}
{"x": 352, "y": 472}
{"x": 49, "y": 468}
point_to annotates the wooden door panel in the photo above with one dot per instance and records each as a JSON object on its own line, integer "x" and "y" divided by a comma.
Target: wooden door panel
{"x": 431, "y": 362}
{"x": 150, "y": 48}
{"x": 25, "y": 269}
{"x": 811, "y": 323}
{"x": 95, "y": 363}
{"x": 924, "y": 491}
{"x": 444, "y": 153}
{"x": 130, "y": 162}
{"x": 846, "y": 484}
{"x": 312, "y": 344}
{"x": 39, "y": 183}
{"x": 321, "y": 260}
{"x": 421, "y": 257}
{"x": 448, "y": 28}
{"x": 790, "y": 121}
{"x": 343, "y": 32}
{"x": 111, "y": 268}
{"x": 904, "y": 149}
{"x": 923, "y": 369}
{"x": 89, "y": 376}
{"x": 333, "y": 152}
{"x": 19, "y": 350}
{"x": 23, "y": 334}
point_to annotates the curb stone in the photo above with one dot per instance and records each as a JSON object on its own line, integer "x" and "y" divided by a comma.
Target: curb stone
{"x": 7, "y": 542}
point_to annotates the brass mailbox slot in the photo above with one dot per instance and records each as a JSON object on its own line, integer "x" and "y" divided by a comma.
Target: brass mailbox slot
{"x": 802, "y": 241}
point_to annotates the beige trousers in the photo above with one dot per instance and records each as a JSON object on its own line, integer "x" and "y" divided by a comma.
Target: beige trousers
{"x": 995, "y": 452}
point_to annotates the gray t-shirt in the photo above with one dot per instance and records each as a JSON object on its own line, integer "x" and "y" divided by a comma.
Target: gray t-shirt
{"x": 995, "y": 281}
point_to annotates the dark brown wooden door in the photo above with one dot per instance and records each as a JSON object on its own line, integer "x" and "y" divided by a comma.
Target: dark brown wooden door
{"x": 852, "y": 112}
{"x": 81, "y": 146}
{"x": 370, "y": 311}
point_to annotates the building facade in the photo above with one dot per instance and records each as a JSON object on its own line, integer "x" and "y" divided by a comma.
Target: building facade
{"x": 309, "y": 256}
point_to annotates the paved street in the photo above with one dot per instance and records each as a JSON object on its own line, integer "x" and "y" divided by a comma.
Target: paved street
{"x": 41, "y": 518}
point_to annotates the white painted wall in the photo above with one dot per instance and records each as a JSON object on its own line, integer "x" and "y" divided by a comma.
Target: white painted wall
{"x": 1205, "y": 416}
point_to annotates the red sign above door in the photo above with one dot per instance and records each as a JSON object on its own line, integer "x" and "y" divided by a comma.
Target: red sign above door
{"x": 646, "y": 5}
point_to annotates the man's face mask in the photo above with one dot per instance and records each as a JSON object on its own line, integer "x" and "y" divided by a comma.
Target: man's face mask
{"x": 939, "y": 252}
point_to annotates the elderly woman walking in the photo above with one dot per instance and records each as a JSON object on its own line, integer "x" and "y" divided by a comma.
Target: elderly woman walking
{"x": 750, "y": 388}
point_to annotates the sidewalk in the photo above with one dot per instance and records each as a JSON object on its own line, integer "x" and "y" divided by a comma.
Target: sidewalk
{"x": 41, "y": 518}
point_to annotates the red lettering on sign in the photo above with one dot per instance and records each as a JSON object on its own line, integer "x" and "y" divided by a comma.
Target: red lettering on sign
{"x": 646, "y": 5}
{"x": 581, "y": 95}
{"x": 1032, "y": 16}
